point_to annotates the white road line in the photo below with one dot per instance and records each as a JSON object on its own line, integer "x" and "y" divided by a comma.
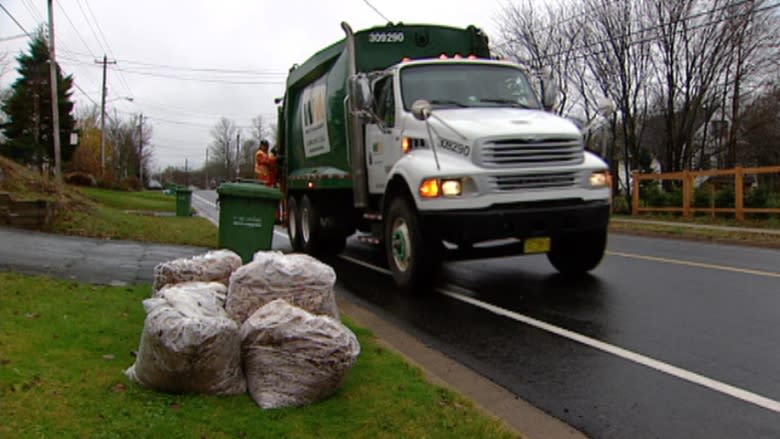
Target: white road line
{"x": 657, "y": 365}
{"x": 696, "y": 264}
{"x": 205, "y": 201}
{"x": 660, "y": 366}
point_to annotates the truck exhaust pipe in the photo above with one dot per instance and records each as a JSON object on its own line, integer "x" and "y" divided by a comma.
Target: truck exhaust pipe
{"x": 354, "y": 131}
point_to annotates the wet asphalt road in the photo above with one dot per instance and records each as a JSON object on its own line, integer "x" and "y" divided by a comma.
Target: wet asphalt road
{"x": 668, "y": 339}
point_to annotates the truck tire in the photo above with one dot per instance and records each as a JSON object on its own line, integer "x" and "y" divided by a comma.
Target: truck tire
{"x": 575, "y": 254}
{"x": 412, "y": 257}
{"x": 311, "y": 235}
{"x": 294, "y": 223}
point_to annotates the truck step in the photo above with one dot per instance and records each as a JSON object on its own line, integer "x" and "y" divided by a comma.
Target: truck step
{"x": 368, "y": 239}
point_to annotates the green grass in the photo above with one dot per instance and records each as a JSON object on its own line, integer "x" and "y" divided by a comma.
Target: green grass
{"x": 107, "y": 217}
{"x": 154, "y": 201}
{"x": 675, "y": 231}
{"x": 64, "y": 346}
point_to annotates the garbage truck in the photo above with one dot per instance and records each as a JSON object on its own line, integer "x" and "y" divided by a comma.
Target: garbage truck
{"x": 414, "y": 137}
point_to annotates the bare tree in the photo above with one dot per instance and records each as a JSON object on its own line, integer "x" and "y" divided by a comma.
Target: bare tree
{"x": 692, "y": 44}
{"x": 222, "y": 147}
{"x": 620, "y": 62}
{"x": 540, "y": 41}
{"x": 752, "y": 30}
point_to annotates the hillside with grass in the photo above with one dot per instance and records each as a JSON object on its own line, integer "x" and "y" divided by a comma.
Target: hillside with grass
{"x": 99, "y": 213}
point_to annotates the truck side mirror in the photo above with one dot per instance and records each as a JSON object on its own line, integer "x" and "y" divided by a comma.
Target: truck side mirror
{"x": 361, "y": 99}
{"x": 421, "y": 109}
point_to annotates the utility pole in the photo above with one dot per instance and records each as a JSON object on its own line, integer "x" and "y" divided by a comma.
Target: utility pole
{"x": 206, "y": 168}
{"x": 105, "y": 62}
{"x": 186, "y": 174}
{"x": 55, "y": 113}
{"x": 238, "y": 155}
{"x": 141, "y": 148}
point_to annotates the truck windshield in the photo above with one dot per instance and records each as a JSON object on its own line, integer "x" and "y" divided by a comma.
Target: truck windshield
{"x": 467, "y": 85}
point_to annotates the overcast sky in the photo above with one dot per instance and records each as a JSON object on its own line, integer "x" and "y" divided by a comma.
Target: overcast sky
{"x": 178, "y": 59}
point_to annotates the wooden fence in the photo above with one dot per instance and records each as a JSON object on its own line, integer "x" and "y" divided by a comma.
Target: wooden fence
{"x": 688, "y": 177}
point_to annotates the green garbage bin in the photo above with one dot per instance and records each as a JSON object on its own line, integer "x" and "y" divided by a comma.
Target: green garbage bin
{"x": 183, "y": 201}
{"x": 246, "y": 217}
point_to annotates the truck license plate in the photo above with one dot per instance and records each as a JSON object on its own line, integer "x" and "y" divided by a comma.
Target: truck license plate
{"x": 537, "y": 245}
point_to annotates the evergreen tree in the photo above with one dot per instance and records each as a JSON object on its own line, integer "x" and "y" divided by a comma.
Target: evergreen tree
{"x": 28, "y": 124}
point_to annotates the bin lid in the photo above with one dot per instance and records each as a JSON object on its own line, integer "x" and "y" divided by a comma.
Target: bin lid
{"x": 249, "y": 190}
{"x": 183, "y": 189}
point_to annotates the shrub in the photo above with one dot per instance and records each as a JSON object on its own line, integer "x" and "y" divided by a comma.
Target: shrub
{"x": 620, "y": 205}
{"x": 757, "y": 197}
{"x": 725, "y": 197}
{"x": 652, "y": 195}
{"x": 702, "y": 197}
{"x": 81, "y": 179}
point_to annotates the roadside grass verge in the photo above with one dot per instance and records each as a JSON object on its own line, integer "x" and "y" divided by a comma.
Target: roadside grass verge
{"x": 153, "y": 201}
{"x": 677, "y": 229}
{"x": 64, "y": 346}
{"x": 103, "y": 214}
{"x": 110, "y": 223}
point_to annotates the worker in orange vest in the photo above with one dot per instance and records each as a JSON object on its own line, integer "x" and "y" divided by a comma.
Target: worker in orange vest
{"x": 265, "y": 165}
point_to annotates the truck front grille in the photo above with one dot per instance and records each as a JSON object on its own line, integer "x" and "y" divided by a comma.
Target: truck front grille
{"x": 528, "y": 152}
{"x": 504, "y": 183}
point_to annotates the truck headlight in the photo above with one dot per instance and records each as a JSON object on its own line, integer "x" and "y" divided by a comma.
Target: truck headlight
{"x": 600, "y": 179}
{"x": 434, "y": 188}
{"x": 451, "y": 188}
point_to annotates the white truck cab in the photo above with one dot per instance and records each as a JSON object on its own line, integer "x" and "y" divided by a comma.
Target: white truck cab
{"x": 469, "y": 163}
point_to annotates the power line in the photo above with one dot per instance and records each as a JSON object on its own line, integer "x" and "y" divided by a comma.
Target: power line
{"x": 85, "y": 93}
{"x": 14, "y": 20}
{"x": 104, "y": 47}
{"x": 207, "y": 80}
{"x": 91, "y": 28}
{"x": 14, "y": 37}
{"x": 262, "y": 72}
{"x": 376, "y": 10}
{"x": 78, "y": 34}
{"x": 33, "y": 10}
{"x": 110, "y": 52}
{"x": 659, "y": 26}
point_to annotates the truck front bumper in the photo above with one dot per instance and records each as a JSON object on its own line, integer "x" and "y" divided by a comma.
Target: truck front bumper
{"x": 517, "y": 221}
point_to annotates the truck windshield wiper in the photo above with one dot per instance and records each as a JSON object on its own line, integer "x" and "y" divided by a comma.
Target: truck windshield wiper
{"x": 448, "y": 102}
{"x": 510, "y": 102}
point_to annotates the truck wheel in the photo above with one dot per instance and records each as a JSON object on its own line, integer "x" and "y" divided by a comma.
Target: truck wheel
{"x": 575, "y": 254}
{"x": 411, "y": 258}
{"x": 294, "y": 223}
{"x": 311, "y": 228}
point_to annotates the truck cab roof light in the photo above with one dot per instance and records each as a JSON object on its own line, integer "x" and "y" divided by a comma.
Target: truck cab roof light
{"x": 405, "y": 59}
{"x": 472, "y": 56}
{"x": 457, "y": 56}
{"x": 443, "y": 56}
